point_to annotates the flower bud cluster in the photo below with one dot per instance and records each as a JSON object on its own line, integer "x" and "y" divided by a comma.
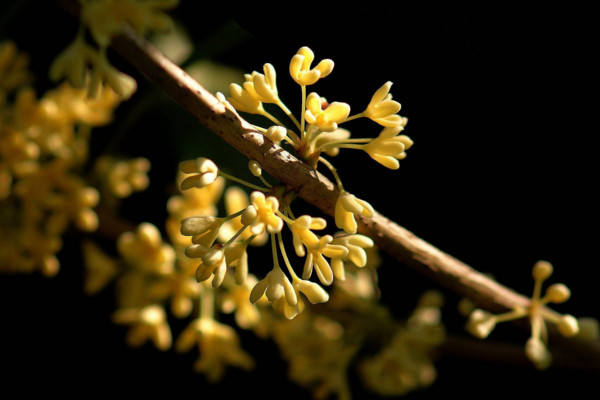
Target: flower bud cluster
{"x": 85, "y": 66}
{"x": 481, "y": 323}
{"x": 44, "y": 145}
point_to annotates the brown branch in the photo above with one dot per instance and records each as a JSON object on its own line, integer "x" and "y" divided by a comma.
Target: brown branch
{"x": 316, "y": 189}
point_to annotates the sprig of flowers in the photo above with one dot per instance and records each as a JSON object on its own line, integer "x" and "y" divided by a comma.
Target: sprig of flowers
{"x": 481, "y": 322}
{"x": 318, "y": 129}
{"x": 267, "y": 212}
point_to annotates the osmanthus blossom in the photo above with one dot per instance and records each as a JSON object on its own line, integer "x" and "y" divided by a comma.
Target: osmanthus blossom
{"x": 348, "y": 205}
{"x": 481, "y": 322}
{"x": 218, "y": 346}
{"x": 328, "y": 118}
{"x": 147, "y": 323}
{"x": 301, "y": 71}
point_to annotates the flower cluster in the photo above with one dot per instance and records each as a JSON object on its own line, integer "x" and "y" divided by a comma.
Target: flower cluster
{"x": 44, "y": 145}
{"x": 266, "y": 212}
{"x": 87, "y": 66}
{"x": 318, "y": 129}
{"x": 481, "y": 322}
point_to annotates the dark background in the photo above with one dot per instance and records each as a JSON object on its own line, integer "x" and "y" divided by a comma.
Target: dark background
{"x": 500, "y": 102}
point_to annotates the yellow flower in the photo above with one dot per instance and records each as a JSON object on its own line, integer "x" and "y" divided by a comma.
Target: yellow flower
{"x": 204, "y": 173}
{"x": 300, "y": 67}
{"x": 261, "y": 215}
{"x": 275, "y": 285}
{"x": 13, "y": 68}
{"x": 145, "y": 249}
{"x": 148, "y": 323}
{"x": 124, "y": 177}
{"x": 219, "y": 345}
{"x": 235, "y": 300}
{"x": 237, "y": 200}
{"x": 303, "y": 236}
{"x": 356, "y": 245}
{"x": 382, "y": 109}
{"x": 327, "y": 119}
{"x": 316, "y": 258}
{"x": 72, "y": 63}
{"x": 182, "y": 289}
{"x": 265, "y": 86}
{"x": 103, "y": 73}
{"x": 107, "y": 18}
{"x": 389, "y": 147}
{"x": 481, "y": 322}
{"x": 346, "y": 206}
{"x": 204, "y": 229}
{"x": 213, "y": 263}
{"x": 245, "y": 98}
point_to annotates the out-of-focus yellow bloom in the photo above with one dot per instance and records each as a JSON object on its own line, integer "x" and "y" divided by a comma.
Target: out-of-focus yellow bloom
{"x": 218, "y": 345}
{"x": 406, "y": 364}
{"x": 182, "y": 289}
{"x": 148, "y": 323}
{"x": 107, "y": 18}
{"x": 481, "y": 322}
{"x": 14, "y": 71}
{"x": 144, "y": 249}
{"x": 123, "y": 177}
{"x": 326, "y": 119}
{"x": 203, "y": 171}
{"x": 300, "y": 67}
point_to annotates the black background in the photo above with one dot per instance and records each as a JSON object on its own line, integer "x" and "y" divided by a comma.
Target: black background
{"x": 500, "y": 101}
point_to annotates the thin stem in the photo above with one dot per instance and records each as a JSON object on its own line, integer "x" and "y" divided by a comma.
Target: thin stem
{"x": 243, "y": 182}
{"x": 284, "y": 217}
{"x": 274, "y": 251}
{"x": 353, "y": 117}
{"x": 302, "y": 133}
{"x": 238, "y": 233}
{"x": 289, "y": 114}
{"x": 285, "y": 257}
{"x": 334, "y": 172}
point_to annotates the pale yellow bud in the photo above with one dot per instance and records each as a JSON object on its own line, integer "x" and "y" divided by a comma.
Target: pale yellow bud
{"x": 313, "y": 292}
{"x": 542, "y": 270}
{"x": 300, "y": 67}
{"x": 568, "y": 325}
{"x": 254, "y": 168}
{"x": 481, "y": 323}
{"x": 537, "y": 352}
{"x": 276, "y": 133}
{"x": 558, "y": 293}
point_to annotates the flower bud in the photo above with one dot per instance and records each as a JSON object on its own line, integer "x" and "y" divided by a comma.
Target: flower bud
{"x": 558, "y": 293}
{"x": 542, "y": 270}
{"x": 568, "y": 326}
